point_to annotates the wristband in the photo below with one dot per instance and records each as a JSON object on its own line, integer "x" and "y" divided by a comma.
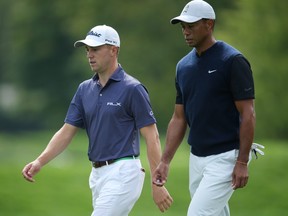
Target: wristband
{"x": 240, "y": 162}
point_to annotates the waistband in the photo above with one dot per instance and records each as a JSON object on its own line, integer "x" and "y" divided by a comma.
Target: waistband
{"x": 97, "y": 164}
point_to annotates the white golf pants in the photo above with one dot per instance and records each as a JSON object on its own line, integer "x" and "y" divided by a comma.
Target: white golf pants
{"x": 116, "y": 187}
{"x": 210, "y": 184}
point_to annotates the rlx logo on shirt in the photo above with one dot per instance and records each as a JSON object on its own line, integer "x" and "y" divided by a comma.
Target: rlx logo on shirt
{"x": 113, "y": 104}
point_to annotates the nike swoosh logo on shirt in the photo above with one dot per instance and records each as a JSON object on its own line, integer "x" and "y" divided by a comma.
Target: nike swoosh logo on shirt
{"x": 211, "y": 71}
{"x": 248, "y": 89}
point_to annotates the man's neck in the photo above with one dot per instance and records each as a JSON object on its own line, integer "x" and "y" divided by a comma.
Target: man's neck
{"x": 105, "y": 76}
{"x": 205, "y": 46}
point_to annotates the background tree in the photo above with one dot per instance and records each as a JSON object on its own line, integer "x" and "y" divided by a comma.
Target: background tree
{"x": 259, "y": 29}
{"x": 40, "y": 69}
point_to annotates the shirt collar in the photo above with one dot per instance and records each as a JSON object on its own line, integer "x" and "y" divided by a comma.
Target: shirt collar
{"x": 206, "y": 51}
{"x": 116, "y": 76}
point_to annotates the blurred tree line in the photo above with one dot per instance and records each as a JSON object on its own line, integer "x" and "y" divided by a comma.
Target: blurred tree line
{"x": 40, "y": 69}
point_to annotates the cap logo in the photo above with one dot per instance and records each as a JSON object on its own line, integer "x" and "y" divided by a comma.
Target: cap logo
{"x": 110, "y": 41}
{"x": 185, "y": 10}
{"x": 94, "y": 34}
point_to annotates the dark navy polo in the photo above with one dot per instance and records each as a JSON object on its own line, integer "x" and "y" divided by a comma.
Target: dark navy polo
{"x": 208, "y": 86}
{"x": 112, "y": 115}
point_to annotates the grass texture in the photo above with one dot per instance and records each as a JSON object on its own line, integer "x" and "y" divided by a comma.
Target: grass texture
{"x": 61, "y": 187}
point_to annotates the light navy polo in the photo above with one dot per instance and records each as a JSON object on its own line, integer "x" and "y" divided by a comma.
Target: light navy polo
{"x": 112, "y": 115}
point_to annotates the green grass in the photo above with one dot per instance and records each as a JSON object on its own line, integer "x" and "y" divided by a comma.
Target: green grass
{"x": 61, "y": 188}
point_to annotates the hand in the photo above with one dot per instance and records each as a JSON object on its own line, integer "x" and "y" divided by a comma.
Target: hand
{"x": 30, "y": 170}
{"x": 161, "y": 198}
{"x": 240, "y": 176}
{"x": 159, "y": 177}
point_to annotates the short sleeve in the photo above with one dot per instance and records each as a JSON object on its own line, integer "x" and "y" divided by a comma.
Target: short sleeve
{"x": 141, "y": 107}
{"x": 178, "y": 93}
{"x": 74, "y": 114}
{"x": 242, "y": 84}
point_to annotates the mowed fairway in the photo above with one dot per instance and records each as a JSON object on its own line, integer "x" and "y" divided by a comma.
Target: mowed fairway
{"x": 61, "y": 188}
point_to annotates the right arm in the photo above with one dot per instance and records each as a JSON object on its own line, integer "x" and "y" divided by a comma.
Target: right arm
{"x": 57, "y": 144}
{"x": 175, "y": 134}
{"x": 161, "y": 196}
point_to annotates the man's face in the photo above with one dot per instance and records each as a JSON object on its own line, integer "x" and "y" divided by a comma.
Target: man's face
{"x": 99, "y": 57}
{"x": 195, "y": 33}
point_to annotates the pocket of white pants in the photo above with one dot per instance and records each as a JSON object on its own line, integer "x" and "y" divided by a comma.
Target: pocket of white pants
{"x": 129, "y": 170}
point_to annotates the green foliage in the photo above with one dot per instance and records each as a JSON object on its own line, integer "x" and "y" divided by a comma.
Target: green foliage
{"x": 61, "y": 187}
{"x": 259, "y": 30}
{"x": 42, "y": 69}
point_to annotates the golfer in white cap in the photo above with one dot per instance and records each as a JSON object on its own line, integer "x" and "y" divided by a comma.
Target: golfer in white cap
{"x": 215, "y": 99}
{"x": 113, "y": 108}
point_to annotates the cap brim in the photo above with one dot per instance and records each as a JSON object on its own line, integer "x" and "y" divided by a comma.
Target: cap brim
{"x": 87, "y": 42}
{"x": 187, "y": 19}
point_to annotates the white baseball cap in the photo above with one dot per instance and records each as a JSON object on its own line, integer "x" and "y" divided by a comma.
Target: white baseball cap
{"x": 100, "y": 35}
{"x": 195, "y": 11}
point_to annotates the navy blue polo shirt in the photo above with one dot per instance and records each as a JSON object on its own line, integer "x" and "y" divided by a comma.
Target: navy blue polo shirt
{"x": 208, "y": 86}
{"x": 112, "y": 115}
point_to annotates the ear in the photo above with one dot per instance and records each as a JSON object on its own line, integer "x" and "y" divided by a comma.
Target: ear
{"x": 210, "y": 24}
{"x": 114, "y": 50}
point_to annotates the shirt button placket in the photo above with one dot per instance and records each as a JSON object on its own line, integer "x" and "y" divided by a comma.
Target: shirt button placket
{"x": 100, "y": 98}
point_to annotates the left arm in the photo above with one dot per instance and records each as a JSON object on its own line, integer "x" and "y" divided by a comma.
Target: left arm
{"x": 161, "y": 196}
{"x": 247, "y": 126}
